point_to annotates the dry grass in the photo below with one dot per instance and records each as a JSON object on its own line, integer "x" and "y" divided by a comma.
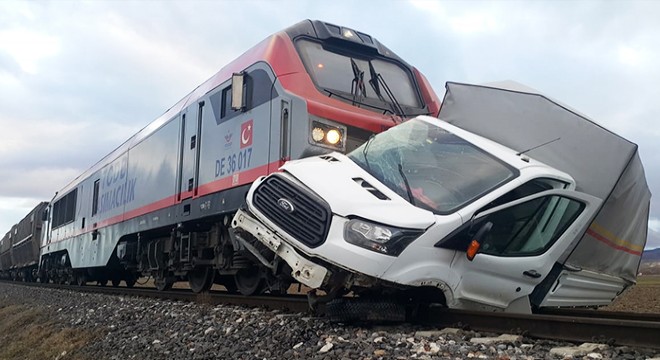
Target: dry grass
{"x": 649, "y": 280}
{"x": 643, "y": 297}
{"x": 26, "y": 333}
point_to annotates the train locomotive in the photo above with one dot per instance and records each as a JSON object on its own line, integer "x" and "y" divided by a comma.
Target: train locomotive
{"x": 161, "y": 204}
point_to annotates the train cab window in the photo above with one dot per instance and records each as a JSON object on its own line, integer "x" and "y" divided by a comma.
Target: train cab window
{"x": 257, "y": 90}
{"x": 226, "y": 110}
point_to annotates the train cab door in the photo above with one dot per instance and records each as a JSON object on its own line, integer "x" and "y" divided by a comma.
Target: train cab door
{"x": 187, "y": 181}
{"x": 519, "y": 242}
{"x": 280, "y": 124}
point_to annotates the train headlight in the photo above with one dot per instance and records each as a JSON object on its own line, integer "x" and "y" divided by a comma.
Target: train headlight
{"x": 318, "y": 134}
{"x": 326, "y": 133}
{"x": 383, "y": 239}
{"x": 333, "y": 137}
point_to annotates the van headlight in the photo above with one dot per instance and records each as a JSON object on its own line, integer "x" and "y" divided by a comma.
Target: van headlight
{"x": 386, "y": 240}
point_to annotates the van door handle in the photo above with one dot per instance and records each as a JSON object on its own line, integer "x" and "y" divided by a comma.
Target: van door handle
{"x": 532, "y": 273}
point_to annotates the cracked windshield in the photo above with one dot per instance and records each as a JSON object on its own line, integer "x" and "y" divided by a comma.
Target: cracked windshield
{"x": 431, "y": 167}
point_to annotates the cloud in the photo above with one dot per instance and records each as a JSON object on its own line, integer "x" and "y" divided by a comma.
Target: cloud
{"x": 28, "y": 47}
{"x": 101, "y": 71}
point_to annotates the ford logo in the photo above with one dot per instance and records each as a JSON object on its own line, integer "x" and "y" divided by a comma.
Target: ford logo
{"x": 286, "y": 205}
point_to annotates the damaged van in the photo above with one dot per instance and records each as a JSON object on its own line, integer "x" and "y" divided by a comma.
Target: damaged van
{"x": 509, "y": 201}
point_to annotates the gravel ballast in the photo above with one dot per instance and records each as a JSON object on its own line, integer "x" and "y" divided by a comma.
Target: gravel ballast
{"x": 143, "y": 328}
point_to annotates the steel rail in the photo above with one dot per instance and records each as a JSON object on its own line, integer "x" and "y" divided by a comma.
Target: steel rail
{"x": 293, "y": 303}
{"x": 601, "y": 314}
{"x": 641, "y": 333}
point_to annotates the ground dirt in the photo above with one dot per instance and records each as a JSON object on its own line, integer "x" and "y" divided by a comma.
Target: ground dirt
{"x": 27, "y": 333}
{"x": 643, "y": 297}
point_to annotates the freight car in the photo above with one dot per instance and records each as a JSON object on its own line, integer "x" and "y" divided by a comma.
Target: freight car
{"x": 19, "y": 248}
{"x": 514, "y": 202}
{"x": 161, "y": 203}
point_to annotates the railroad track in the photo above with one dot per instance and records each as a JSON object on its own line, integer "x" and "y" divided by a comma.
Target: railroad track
{"x": 576, "y": 325}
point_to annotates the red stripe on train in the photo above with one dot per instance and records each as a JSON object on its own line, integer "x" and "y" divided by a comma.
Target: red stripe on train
{"x": 225, "y": 183}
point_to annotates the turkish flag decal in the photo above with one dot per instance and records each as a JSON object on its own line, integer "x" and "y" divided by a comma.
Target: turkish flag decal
{"x": 246, "y": 134}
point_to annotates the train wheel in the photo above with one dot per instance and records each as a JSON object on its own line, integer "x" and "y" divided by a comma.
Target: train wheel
{"x": 250, "y": 281}
{"x": 102, "y": 282}
{"x": 200, "y": 279}
{"x": 130, "y": 280}
{"x": 116, "y": 281}
{"x": 163, "y": 284}
{"x": 81, "y": 280}
{"x": 228, "y": 282}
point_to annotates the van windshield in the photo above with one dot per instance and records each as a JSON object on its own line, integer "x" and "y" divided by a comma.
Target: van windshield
{"x": 431, "y": 167}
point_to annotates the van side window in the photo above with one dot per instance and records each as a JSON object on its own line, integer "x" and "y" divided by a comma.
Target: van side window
{"x": 529, "y": 228}
{"x": 531, "y": 187}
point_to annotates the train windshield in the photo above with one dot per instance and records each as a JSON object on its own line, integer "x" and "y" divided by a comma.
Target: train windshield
{"x": 365, "y": 82}
{"x": 431, "y": 167}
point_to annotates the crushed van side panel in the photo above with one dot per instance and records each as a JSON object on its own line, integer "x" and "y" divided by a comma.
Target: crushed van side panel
{"x": 614, "y": 242}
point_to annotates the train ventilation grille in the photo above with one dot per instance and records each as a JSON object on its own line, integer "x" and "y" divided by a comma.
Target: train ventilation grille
{"x": 375, "y": 192}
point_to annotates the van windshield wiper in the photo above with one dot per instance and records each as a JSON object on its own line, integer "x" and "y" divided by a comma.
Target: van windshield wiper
{"x": 375, "y": 82}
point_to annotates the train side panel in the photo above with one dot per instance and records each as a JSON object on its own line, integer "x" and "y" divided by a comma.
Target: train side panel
{"x": 5, "y": 256}
{"x": 164, "y": 179}
{"x": 25, "y": 248}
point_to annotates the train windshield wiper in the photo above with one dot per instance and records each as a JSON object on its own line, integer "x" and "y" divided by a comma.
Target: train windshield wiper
{"x": 358, "y": 90}
{"x": 376, "y": 81}
{"x": 336, "y": 94}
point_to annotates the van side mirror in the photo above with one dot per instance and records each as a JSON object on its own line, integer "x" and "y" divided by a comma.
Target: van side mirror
{"x": 238, "y": 99}
{"x": 475, "y": 244}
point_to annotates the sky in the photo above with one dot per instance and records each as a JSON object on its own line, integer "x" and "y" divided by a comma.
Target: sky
{"x": 79, "y": 78}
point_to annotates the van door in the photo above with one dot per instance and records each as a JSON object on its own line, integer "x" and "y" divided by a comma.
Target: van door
{"x": 524, "y": 240}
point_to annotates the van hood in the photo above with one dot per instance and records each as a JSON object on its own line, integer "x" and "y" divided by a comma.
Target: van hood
{"x": 352, "y": 192}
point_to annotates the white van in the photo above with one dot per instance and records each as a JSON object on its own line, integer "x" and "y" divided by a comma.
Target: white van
{"x": 445, "y": 213}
